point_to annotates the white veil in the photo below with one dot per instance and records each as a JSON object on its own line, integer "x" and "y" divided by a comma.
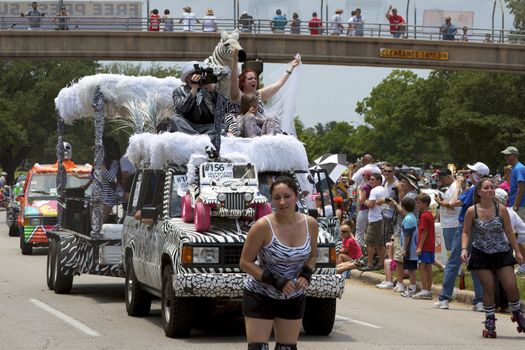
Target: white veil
{"x": 283, "y": 104}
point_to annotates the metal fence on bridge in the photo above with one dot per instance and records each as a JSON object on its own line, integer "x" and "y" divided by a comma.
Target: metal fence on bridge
{"x": 263, "y": 26}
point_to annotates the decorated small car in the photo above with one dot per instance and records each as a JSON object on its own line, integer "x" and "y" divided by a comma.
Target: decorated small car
{"x": 38, "y": 202}
{"x": 224, "y": 189}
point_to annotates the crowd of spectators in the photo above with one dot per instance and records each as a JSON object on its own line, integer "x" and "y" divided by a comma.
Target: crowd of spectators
{"x": 279, "y": 23}
{"x": 389, "y": 221}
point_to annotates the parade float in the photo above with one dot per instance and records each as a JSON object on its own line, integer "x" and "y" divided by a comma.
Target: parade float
{"x": 191, "y": 267}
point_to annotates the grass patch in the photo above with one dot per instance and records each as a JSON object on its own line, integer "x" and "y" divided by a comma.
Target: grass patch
{"x": 438, "y": 279}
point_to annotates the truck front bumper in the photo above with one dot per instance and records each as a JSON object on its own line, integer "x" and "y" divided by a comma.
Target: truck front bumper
{"x": 214, "y": 285}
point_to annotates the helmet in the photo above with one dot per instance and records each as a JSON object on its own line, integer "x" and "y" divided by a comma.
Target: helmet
{"x": 68, "y": 150}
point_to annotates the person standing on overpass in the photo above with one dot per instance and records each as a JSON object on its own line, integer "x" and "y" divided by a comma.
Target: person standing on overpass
{"x": 448, "y": 30}
{"x": 315, "y": 24}
{"x": 35, "y": 16}
{"x": 397, "y": 23}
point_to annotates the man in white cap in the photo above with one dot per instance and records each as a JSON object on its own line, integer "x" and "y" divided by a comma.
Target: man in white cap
{"x": 466, "y": 199}
{"x": 188, "y": 19}
{"x": 199, "y": 108}
{"x": 517, "y": 181}
{"x": 518, "y": 226}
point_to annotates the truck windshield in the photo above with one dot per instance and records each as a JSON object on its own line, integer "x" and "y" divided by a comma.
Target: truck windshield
{"x": 45, "y": 185}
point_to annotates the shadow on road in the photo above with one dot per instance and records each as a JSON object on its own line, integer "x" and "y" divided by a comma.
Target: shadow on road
{"x": 102, "y": 293}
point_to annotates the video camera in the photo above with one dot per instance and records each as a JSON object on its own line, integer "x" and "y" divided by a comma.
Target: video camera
{"x": 206, "y": 75}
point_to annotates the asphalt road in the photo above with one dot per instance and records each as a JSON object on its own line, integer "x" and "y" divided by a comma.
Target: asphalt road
{"x": 93, "y": 316}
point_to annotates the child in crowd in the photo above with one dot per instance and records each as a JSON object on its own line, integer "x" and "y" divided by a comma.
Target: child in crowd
{"x": 390, "y": 267}
{"x": 426, "y": 238}
{"x": 350, "y": 252}
{"x": 408, "y": 243}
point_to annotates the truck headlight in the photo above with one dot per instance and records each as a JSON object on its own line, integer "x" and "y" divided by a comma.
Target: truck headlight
{"x": 221, "y": 197}
{"x": 248, "y": 197}
{"x": 205, "y": 255}
{"x": 326, "y": 255}
{"x": 35, "y": 221}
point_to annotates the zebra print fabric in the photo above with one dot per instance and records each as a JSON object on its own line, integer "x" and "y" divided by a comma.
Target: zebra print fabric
{"x": 281, "y": 260}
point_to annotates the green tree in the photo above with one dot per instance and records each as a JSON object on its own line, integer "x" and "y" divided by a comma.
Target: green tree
{"x": 481, "y": 114}
{"x": 517, "y": 8}
{"x": 27, "y": 111}
{"x": 400, "y": 117}
{"x": 332, "y": 137}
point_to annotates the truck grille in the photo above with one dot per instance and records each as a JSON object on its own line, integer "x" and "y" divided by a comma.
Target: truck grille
{"x": 49, "y": 221}
{"x": 232, "y": 254}
{"x": 235, "y": 201}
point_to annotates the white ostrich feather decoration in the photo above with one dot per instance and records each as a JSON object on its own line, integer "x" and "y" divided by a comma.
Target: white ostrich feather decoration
{"x": 268, "y": 153}
{"x": 75, "y": 101}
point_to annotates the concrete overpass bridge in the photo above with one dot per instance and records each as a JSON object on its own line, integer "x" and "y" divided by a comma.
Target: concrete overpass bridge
{"x": 327, "y": 50}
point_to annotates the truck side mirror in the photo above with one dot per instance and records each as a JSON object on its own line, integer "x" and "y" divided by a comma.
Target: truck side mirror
{"x": 149, "y": 215}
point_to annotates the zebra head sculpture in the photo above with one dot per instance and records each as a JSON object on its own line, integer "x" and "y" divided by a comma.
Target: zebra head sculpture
{"x": 223, "y": 53}
{"x": 221, "y": 59}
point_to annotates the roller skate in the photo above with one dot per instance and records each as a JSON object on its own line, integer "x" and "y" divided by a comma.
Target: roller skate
{"x": 490, "y": 327}
{"x": 517, "y": 316}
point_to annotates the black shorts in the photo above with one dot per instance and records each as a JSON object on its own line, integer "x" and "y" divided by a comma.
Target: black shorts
{"x": 409, "y": 265}
{"x": 256, "y": 305}
{"x": 480, "y": 260}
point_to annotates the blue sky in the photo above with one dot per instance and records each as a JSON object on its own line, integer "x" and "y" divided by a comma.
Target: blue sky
{"x": 332, "y": 92}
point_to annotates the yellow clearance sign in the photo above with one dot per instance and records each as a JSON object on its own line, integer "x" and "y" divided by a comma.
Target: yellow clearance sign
{"x": 414, "y": 54}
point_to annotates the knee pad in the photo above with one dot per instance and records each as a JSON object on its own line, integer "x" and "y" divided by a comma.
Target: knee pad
{"x": 280, "y": 346}
{"x": 258, "y": 346}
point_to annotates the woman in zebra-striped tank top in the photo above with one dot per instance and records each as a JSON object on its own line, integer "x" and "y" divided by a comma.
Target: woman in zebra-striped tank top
{"x": 279, "y": 256}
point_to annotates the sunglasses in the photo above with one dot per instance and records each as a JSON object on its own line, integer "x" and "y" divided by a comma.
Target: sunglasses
{"x": 387, "y": 171}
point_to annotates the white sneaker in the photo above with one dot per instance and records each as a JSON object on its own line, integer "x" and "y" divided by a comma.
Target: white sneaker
{"x": 478, "y": 307}
{"x": 441, "y": 304}
{"x": 424, "y": 295}
{"x": 386, "y": 285}
{"x": 520, "y": 270}
{"x": 400, "y": 288}
{"x": 408, "y": 293}
{"x": 380, "y": 285}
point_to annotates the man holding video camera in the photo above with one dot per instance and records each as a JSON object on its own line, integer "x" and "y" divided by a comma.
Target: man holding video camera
{"x": 199, "y": 108}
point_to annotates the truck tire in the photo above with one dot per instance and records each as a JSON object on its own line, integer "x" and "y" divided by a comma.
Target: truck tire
{"x": 185, "y": 209}
{"x": 50, "y": 264}
{"x": 13, "y": 230}
{"x": 202, "y": 217}
{"x": 262, "y": 210}
{"x": 138, "y": 301}
{"x": 62, "y": 283}
{"x": 176, "y": 312}
{"x": 27, "y": 249}
{"x": 319, "y": 316}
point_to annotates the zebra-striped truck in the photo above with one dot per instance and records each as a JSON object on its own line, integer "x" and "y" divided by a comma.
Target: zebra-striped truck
{"x": 192, "y": 271}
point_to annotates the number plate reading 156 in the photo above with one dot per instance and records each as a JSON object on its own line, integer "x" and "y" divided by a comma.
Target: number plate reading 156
{"x": 218, "y": 170}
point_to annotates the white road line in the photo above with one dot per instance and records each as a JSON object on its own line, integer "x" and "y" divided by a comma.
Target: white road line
{"x": 347, "y": 319}
{"x": 79, "y": 325}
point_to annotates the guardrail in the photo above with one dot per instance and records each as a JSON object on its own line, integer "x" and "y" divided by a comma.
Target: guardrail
{"x": 260, "y": 26}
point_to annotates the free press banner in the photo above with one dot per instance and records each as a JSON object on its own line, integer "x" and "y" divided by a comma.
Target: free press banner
{"x": 99, "y": 15}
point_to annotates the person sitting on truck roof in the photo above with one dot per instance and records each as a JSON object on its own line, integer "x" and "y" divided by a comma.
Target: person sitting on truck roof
{"x": 199, "y": 107}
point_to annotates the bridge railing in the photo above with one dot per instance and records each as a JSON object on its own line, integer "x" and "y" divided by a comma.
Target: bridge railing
{"x": 263, "y": 26}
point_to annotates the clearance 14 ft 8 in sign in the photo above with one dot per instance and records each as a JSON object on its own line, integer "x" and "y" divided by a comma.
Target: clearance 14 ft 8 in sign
{"x": 414, "y": 54}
